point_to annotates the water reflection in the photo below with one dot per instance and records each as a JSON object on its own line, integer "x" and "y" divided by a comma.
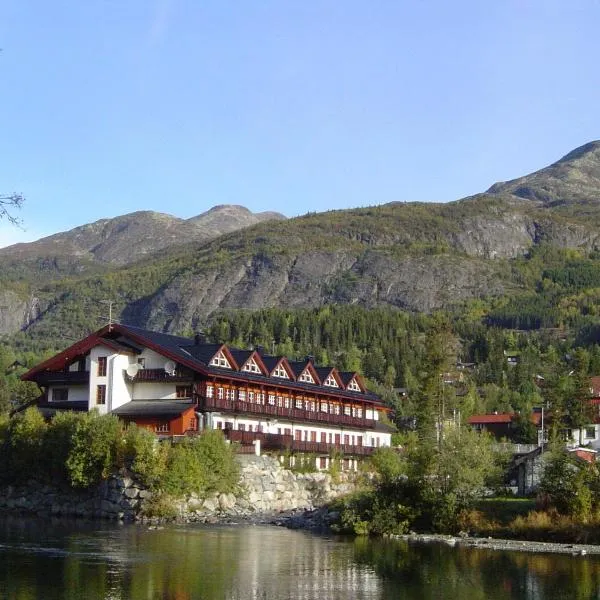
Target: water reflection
{"x": 436, "y": 571}
{"x": 73, "y": 560}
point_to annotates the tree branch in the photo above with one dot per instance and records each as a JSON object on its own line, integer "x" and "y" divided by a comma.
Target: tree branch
{"x": 8, "y": 202}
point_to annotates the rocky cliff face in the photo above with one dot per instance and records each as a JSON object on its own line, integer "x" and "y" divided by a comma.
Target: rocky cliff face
{"x": 17, "y": 311}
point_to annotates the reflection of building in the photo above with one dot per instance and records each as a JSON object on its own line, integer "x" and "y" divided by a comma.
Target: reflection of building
{"x": 175, "y": 386}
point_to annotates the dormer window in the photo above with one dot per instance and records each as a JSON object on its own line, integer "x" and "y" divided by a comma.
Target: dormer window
{"x": 353, "y": 386}
{"x": 331, "y": 382}
{"x": 251, "y": 367}
{"x": 306, "y": 377}
{"x": 280, "y": 372}
{"x": 219, "y": 360}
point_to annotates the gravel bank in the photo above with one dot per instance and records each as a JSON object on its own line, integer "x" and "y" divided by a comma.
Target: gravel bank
{"x": 500, "y": 544}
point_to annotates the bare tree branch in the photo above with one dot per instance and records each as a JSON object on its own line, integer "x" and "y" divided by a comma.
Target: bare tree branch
{"x": 8, "y": 202}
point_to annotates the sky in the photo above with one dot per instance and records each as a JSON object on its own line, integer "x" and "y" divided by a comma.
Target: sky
{"x": 110, "y": 107}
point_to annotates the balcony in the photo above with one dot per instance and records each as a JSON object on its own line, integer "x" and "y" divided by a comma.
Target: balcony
{"x": 63, "y": 378}
{"x": 274, "y": 441}
{"x": 269, "y": 411}
{"x": 159, "y": 376}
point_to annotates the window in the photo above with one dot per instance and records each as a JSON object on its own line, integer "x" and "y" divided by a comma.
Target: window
{"x": 287, "y": 431}
{"x": 60, "y": 394}
{"x": 100, "y": 394}
{"x": 590, "y": 433}
{"x": 306, "y": 377}
{"x": 347, "y": 411}
{"x": 324, "y": 407}
{"x": 346, "y": 439}
{"x": 219, "y": 360}
{"x": 251, "y": 367}
{"x": 241, "y": 427}
{"x": 299, "y": 403}
{"x": 336, "y": 409}
{"x": 101, "y": 366}
{"x": 193, "y": 424}
{"x": 331, "y": 382}
{"x": 250, "y": 396}
{"x": 230, "y": 394}
{"x": 279, "y": 401}
{"x": 359, "y": 413}
{"x": 242, "y": 395}
{"x": 280, "y": 372}
{"x": 313, "y": 436}
{"x": 209, "y": 391}
{"x": 183, "y": 391}
{"x": 353, "y": 385}
{"x": 286, "y": 401}
{"x": 322, "y": 462}
{"x": 272, "y": 399}
{"x": 220, "y": 393}
{"x": 141, "y": 363}
{"x": 162, "y": 427}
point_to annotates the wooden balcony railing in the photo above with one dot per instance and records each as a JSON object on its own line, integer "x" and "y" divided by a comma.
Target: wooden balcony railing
{"x": 160, "y": 375}
{"x": 63, "y": 378}
{"x": 290, "y": 414}
{"x": 275, "y": 441}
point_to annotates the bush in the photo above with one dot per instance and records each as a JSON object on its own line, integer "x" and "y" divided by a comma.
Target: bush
{"x": 145, "y": 456}
{"x": 97, "y": 449}
{"x": 26, "y": 434}
{"x": 202, "y": 465}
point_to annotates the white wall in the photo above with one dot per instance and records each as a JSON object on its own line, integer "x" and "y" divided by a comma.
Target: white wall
{"x": 153, "y": 391}
{"x": 369, "y": 437}
{"x": 119, "y": 392}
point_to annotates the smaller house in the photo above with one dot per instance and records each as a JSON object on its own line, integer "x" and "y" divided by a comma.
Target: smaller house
{"x": 502, "y": 425}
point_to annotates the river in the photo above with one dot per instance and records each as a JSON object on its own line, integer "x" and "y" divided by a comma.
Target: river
{"x": 72, "y": 560}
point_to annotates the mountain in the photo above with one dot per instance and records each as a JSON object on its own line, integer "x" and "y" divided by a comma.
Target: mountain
{"x": 126, "y": 239}
{"x": 413, "y": 256}
{"x": 571, "y": 185}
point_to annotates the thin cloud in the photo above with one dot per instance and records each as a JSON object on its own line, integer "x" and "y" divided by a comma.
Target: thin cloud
{"x": 161, "y": 18}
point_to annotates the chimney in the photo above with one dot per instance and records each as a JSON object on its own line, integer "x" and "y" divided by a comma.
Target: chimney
{"x": 310, "y": 358}
{"x": 199, "y": 338}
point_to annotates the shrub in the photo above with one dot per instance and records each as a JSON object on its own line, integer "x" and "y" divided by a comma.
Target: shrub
{"x": 97, "y": 447}
{"x": 144, "y": 455}
{"x": 25, "y": 442}
{"x": 202, "y": 465}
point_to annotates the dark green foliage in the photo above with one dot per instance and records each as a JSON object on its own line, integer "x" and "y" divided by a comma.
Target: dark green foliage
{"x": 424, "y": 487}
{"x": 82, "y": 449}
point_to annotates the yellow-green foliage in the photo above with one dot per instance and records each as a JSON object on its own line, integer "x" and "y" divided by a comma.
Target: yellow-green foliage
{"x": 201, "y": 465}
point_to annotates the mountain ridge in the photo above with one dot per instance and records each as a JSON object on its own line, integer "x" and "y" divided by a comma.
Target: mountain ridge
{"x": 413, "y": 256}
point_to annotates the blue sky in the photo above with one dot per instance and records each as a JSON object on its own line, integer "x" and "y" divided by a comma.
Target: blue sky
{"x": 109, "y": 107}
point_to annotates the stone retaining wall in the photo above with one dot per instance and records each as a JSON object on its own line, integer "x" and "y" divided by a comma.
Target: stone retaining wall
{"x": 266, "y": 488}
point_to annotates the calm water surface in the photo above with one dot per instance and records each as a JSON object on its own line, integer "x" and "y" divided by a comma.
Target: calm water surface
{"x": 50, "y": 559}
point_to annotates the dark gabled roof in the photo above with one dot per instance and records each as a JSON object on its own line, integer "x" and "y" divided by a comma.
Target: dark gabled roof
{"x": 197, "y": 357}
{"x": 323, "y": 372}
{"x": 154, "y": 408}
{"x": 241, "y": 356}
{"x": 270, "y": 362}
{"x": 298, "y": 366}
{"x": 346, "y": 377}
{"x": 203, "y": 353}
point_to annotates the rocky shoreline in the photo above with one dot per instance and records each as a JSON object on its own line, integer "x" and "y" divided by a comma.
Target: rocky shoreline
{"x": 500, "y": 544}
